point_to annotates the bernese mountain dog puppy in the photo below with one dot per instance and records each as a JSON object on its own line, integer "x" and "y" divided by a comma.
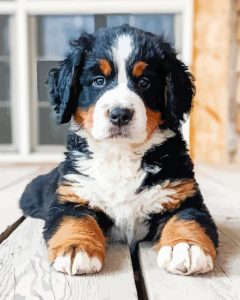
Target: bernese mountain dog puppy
{"x": 127, "y": 176}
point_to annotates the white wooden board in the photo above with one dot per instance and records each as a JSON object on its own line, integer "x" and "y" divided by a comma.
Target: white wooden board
{"x": 221, "y": 190}
{"x": 13, "y": 181}
{"x": 227, "y": 176}
{"x": 222, "y": 283}
{"x": 10, "y": 175}
{"x": 25, "y": 272}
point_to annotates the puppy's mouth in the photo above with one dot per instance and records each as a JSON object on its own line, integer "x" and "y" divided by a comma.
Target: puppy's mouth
{"x": 119, "y": 132}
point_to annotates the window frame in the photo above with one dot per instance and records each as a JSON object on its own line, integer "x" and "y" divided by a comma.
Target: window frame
{"x": 23, "y": 93}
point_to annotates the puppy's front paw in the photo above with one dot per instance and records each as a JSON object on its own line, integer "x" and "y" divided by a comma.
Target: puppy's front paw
{"x": 184, "y": 259}
{"x": 77, "y": 263}
{"x": 77, "y": 258}
{"x": 77, "y": 247}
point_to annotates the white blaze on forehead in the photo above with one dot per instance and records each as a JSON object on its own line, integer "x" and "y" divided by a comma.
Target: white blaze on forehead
{"x": 121, "y": 52}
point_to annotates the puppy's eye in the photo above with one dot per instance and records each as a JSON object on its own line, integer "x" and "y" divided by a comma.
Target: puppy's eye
{"x": 99, "y": 81}
{"x": 144, "y": 83}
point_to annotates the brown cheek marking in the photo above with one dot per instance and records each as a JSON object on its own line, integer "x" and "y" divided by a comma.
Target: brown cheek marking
{"x": 105, "y": 67}
{"x": 84, "y": 118}
{"x": 138, "y": 68}
{"x": 66, "y": 194}
{"x": 77, "y": 234}
{"x": 153, "y": 121}
{"x": 180, "y": 231}
{"x": 183, "y": 190}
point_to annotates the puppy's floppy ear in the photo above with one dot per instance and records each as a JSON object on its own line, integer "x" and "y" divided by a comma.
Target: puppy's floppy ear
{"x": 179, "y": 90}
{"x": 64, "y": 80}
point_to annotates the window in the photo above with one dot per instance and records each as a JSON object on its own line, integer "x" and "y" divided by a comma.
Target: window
{"x": 40, "y": 32}
{"x": 6, "y": 136}
{"x": 53, "y": 36}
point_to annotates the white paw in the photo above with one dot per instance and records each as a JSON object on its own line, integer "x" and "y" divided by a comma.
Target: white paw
{"x": 184, "y": 259}
{"x": 80, "y": 264}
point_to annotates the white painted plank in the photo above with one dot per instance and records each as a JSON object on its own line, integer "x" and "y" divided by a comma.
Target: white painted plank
{"x": 9, "y": 175}
{"x": 220, "y": 188}
{"x": 9, "y": 204}
{"x": 220, "y": 201}
{"x": 25, "y": 272}
{"x": 222, "y": 283}
{"x": 227, "y": 176}
{"x": 11, "y": 192}
{"x": 13, "y": 174}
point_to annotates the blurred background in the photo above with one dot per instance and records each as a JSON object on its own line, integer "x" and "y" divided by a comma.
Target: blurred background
{"x": 35, "y": 34}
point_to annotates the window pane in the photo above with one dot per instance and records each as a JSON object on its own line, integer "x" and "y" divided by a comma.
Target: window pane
{"x": 4, "y": 82}
{"x": 43, "y": 68}
{"x": 53, "y": 36}
{"x": 4, "y": 45}
{"x": 5, "y": 103}
{"x": 4, "y": 59}
{"x": 49, "y": 133}
{"x": 157, "y": 24}
{"x": 55, "y": 32}
{"x": 5, "y": 128}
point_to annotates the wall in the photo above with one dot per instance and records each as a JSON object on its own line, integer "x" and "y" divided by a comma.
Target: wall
{"x": 209, "y": 134}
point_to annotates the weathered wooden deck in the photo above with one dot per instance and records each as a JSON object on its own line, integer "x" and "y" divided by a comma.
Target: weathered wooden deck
{"x": 26, "y": 274}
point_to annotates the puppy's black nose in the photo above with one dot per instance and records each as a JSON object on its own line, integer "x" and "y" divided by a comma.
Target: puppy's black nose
{"x": 120, "y": 116}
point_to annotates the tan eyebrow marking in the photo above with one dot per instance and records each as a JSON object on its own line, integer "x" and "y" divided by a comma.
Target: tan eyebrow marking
{"x": 138, "y": 68}
{"x": 105, "y": 67}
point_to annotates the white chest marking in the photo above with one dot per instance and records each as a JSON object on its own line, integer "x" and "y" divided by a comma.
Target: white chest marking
{"x": 115, "y": 174}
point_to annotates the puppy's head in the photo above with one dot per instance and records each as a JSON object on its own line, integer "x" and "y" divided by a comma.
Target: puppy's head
{"x": 121, "y": 83}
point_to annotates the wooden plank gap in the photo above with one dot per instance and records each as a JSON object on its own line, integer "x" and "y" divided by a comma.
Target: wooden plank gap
{"x": 6, "y": 233}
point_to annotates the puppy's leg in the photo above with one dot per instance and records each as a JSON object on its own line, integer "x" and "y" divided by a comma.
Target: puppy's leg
{"x": 185, "y": 246}
{"x": 76, "y": 243}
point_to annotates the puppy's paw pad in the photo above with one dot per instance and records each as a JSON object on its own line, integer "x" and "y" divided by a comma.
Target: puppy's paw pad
{"x": 81, "y": 263}
{"x": 184, "y": 259}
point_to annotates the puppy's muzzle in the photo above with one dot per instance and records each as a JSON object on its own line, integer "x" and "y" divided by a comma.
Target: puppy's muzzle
{"x": 120, "y": 116}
